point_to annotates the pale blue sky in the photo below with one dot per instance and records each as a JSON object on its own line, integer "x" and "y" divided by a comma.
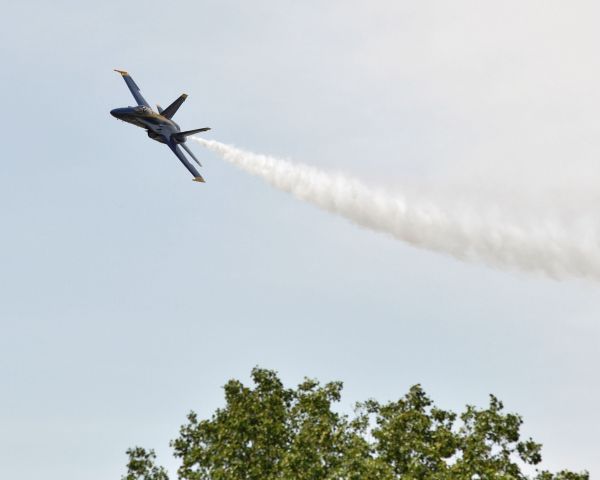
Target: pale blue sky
{"x": 129, "y": 294}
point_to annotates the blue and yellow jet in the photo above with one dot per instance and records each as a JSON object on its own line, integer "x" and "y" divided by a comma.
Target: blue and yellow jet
{"x": 159, "y": 125}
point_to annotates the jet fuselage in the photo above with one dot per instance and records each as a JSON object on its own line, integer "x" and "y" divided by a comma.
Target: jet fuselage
{"x": 159, "y": 127}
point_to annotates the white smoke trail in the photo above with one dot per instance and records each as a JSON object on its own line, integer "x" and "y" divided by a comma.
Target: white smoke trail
{"x": 550, "y": 248}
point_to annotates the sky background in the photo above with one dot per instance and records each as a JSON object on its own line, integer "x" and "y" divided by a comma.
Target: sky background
{"x": 129, "y": 294}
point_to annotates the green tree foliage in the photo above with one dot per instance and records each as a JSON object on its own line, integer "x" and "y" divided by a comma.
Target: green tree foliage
{"x": 141, "y": 466}
{"x": 270, "y": 432}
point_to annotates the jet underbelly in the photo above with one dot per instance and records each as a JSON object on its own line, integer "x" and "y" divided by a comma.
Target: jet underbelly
{"x": 159, "y": 131}
{"x": 134, "y": 121}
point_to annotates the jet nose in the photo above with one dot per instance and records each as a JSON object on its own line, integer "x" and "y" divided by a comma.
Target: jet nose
{"x": 117, "y": 112}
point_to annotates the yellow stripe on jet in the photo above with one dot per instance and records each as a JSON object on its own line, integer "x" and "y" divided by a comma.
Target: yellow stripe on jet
{"x": 122, "y": 72}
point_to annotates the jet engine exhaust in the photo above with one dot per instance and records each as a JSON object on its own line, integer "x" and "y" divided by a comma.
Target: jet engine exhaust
{"x": 540, "y": 247}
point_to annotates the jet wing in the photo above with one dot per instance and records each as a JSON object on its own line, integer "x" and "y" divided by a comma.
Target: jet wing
{"x": 177, "y": 151}
{"x": 133, "y": 88}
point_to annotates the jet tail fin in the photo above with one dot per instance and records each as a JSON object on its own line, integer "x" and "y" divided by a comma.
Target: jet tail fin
{"x": 172, "y": 109}
{"x": 191, "y": 154}
{"x": 179, "y": 137}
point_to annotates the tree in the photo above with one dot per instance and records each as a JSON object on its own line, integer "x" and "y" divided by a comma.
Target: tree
{"x": 270, "y": 432}
{"x": 141, "y": 466}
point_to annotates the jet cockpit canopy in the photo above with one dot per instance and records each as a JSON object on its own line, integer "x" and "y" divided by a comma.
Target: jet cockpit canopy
{"x": 142, "y": 109}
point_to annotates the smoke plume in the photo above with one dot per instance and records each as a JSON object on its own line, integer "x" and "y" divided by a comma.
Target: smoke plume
{"x": 464, "y": 232}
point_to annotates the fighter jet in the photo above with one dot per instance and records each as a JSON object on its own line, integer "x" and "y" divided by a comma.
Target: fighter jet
{"x": 159, "y": 125}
